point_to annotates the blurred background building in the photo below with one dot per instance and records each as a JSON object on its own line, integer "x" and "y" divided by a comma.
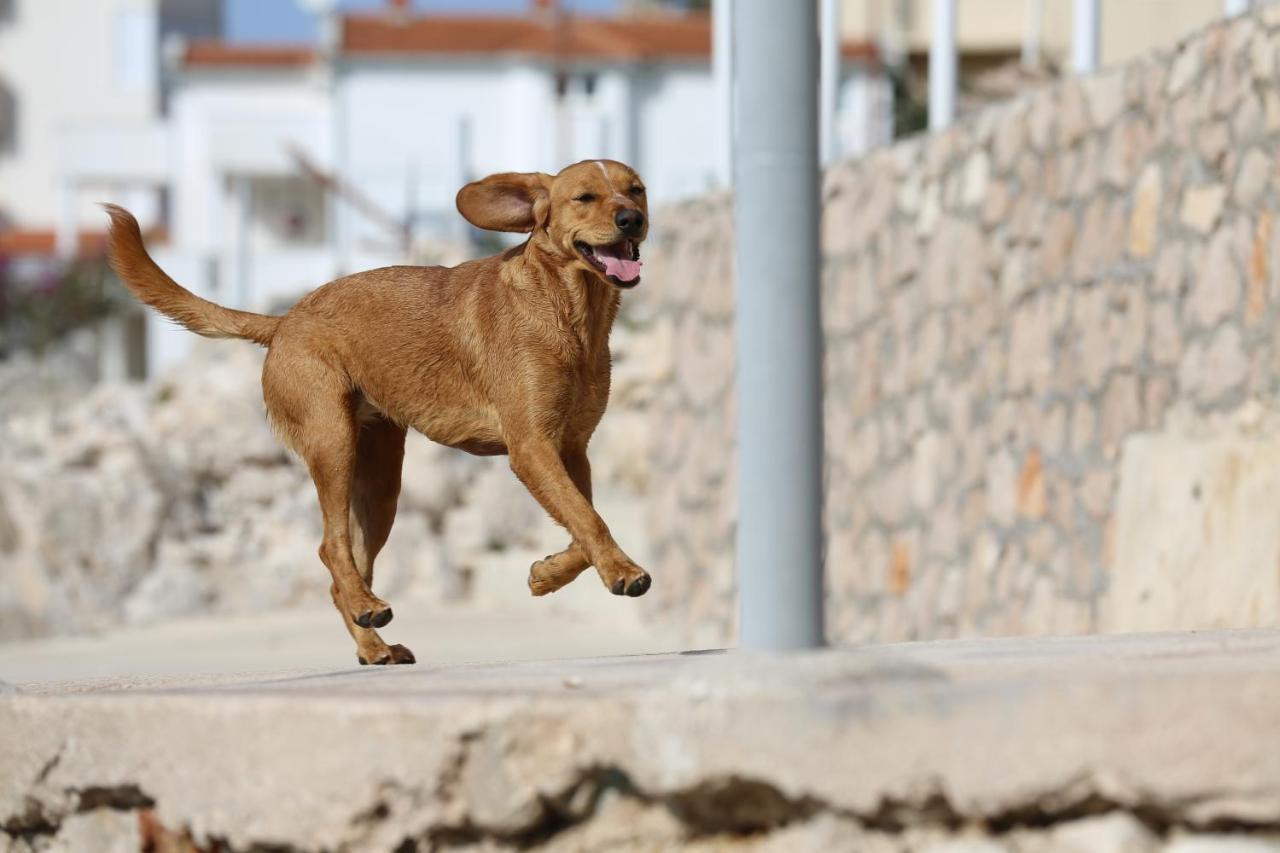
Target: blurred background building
{"x": 995, "y": 31}
{"x": 266, "y": 168}
{"x": 1006, "y": 45}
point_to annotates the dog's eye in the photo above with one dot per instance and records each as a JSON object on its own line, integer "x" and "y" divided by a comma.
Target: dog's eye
{"x": 586, "y": 197}
{"x": 637, "y": 190}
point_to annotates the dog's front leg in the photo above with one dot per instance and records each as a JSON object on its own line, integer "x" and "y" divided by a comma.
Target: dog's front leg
{"x": 559, "y": 570}
{"x": 540, "y": 467}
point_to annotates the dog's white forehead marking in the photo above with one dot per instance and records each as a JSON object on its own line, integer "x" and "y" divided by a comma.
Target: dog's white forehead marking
{"x": 609, "y": 180}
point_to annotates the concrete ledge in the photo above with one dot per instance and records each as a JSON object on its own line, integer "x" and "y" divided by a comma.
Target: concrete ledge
{"x": 1003, "y": 743}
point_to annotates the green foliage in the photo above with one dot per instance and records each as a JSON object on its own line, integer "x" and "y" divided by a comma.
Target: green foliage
{"x": 41, "y": 304}
{"x": 910, "y": 104}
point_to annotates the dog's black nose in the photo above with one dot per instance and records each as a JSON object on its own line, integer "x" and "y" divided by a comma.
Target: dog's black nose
{"x": 629, "y": 221}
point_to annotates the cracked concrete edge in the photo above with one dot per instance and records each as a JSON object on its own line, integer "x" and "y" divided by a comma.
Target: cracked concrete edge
{"x": 310, "y": 771}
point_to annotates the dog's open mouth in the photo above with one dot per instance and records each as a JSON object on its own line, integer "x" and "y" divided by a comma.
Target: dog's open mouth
{"x": 619, "y": 262}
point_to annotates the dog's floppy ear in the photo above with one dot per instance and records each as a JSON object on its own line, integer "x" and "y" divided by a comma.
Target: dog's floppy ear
{"x": 510, "y": 201}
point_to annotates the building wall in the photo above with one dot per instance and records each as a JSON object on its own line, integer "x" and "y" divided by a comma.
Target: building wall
{"x": 238, "y": 122}
{"x": 1004, "y": 305}
{"x": 67, "y": 63}
{"x": 406, "y": 126}
{"x": 407, "y": 118}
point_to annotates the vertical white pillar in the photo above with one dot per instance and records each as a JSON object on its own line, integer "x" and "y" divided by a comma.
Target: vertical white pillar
{"x": 234, "y": 286}
{"x": 342, "y": 223}
{"x": 113, "y": 349}
{"x": 829, "y": 82}
{"x": 1032, "y": 33}
{"x": 244, "y": 275}
{"x": 722, "y": 83}
{"x": 942, "y": 65}
{"x": 1086, "y": 20}
{"x": 337, "y": 210}
{"x": 67, "y": 237}
{"x": 1235, "y": 7}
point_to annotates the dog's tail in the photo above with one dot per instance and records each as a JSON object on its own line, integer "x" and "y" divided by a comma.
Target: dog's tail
{"x": 151, "y": 285}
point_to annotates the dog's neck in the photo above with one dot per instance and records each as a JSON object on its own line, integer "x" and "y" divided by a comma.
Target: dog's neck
{"x": 578, "y": 301}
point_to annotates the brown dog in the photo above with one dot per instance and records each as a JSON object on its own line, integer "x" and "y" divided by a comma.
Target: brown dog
{"x": 509, "y": 354}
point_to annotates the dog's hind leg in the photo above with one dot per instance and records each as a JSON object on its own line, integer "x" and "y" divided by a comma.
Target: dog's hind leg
{"x": 374, "y": 493}
{"x": 313, "y": 407}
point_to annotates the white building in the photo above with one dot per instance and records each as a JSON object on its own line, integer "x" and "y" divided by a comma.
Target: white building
{"x": 399, "y": 110}
{"x": 70, "y": 68}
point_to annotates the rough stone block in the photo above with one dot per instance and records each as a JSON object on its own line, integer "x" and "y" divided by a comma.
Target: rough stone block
{"x": 1198, "y": 537}
{"x": 1202, "y": 207}
{"x": 1144, "y": 220}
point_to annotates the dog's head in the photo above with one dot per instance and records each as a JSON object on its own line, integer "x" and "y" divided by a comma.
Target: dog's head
{"x": 592, "y": 213}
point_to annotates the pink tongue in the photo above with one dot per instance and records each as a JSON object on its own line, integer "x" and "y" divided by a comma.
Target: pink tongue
{"x": 623, "y": 269}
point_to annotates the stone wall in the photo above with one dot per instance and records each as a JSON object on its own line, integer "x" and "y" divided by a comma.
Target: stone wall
{"x": 1004, "y": 304}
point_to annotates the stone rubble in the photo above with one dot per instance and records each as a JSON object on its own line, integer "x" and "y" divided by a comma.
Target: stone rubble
{"x": 126, "y": 503}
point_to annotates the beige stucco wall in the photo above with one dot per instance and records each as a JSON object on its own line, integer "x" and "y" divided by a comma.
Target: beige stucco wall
{"x": 1129, "y": 27}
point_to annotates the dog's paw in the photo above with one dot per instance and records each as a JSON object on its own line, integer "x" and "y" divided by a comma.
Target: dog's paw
{"x": 393, "y": 655}
{"x": 633, "y": 581}
{"x": 374, "y": 615}
{"x": 554, "y": 572}
{"x": 539, "y": 585}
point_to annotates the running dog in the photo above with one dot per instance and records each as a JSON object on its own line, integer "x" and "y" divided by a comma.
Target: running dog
{"x": 505, "y": 355}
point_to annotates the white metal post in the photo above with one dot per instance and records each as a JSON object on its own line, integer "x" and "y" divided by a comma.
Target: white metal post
{"x": 829, "y": 80}
{"x": 722, "y": 82}
{"x": 1086, "y": 19}
{"x": 1235, "y": 7}
{"x": 241, "y": 207}
{"x": 1032, "y": 34}
{"x": 779, "y": 333}
{"x": 942, "y": 65}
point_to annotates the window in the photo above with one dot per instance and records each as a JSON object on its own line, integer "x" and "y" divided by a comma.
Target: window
{"x": 578, "y": 86}
{"x": 285, "y": 211}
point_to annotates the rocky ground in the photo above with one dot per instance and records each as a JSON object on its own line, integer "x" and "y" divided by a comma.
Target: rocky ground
{"x": 1130, "y": 744}
{"x": 132, "y": 504}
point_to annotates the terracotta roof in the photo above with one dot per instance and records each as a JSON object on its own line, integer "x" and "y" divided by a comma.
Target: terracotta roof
{"x": 603, "y": 38}
{"x": 214, "y": 53}
{"x": 638, "y": 38}
{"x": 44, "y": 241}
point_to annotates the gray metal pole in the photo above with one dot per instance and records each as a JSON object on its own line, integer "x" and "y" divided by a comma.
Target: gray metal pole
{"x": 776, "y": 210}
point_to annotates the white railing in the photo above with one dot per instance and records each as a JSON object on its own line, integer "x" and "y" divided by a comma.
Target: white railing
{"x": 1086, "y": 23}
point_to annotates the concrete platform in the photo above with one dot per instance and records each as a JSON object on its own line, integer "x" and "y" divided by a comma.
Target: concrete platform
{"x": 1136, "y": 743}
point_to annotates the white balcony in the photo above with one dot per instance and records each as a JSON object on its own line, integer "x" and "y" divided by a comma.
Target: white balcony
{"x": 127, "y": 153}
